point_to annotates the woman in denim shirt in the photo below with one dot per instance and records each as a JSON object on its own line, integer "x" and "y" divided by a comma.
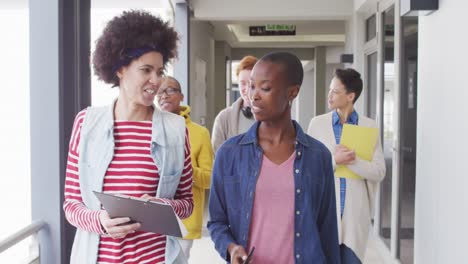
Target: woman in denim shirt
{"x": 273, "y": 187}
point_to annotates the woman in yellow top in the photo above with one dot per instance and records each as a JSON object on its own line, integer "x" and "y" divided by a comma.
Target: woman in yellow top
{"x": 169, "y": 97}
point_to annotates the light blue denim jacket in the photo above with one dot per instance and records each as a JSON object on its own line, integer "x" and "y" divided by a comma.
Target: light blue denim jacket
{"x": 96, "y": 151}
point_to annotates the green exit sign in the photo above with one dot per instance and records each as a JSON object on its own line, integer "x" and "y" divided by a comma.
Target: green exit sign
{"x": 280, "y": 27}
{"x": 273, "y": 30}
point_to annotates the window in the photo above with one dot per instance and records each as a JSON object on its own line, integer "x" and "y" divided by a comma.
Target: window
{"x": 371, "y": 28}
{"x": 15, "y": 135}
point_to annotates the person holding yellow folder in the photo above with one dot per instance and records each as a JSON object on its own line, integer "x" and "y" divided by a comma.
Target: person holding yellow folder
{"x": 358, "y": 161}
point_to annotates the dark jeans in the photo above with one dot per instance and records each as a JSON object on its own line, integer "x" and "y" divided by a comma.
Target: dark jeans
{"x": 348, "y": 256}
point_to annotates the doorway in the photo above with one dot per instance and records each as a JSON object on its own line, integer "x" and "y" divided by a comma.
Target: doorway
{"x": 390, "y": 59}
{"x": 408, "y": 118}
{"x": 388, "y": 118}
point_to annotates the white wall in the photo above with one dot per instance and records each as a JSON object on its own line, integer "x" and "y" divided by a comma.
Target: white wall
{"x": 202, "y": 47}
{"x": 441, "y": 196}
{"x": 354, "y": 45}
{"x": 333, "y": 63}
{"x": 301, "y": 53}
{"x": 330, "y": 71}
{"x": 303, "y": 108}
{"x": 355, "y": 40}
{"x": 334, "y": 54}
{"x": 362, "y": 5}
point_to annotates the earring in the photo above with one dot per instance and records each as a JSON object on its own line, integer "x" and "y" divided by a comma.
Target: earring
{"x": 290, "y": 103}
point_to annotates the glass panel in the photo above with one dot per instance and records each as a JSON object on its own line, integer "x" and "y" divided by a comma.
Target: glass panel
{"x": 388, "y": 119}
{"x": 101, "y": 13}
{"x": 371, "y": 28}
{"x": 15, "y": 140}
{"x": 408, "y": 137}
{"x": 372, "y": 85}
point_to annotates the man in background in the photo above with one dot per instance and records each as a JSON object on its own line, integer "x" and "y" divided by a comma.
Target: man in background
{"x": 169, "y": 97}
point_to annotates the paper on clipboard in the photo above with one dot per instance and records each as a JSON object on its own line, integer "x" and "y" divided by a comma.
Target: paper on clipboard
{"x": 362, "y": 140}
{"x": 154, "y": 217}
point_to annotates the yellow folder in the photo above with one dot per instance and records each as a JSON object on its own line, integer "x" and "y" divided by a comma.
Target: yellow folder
{"x": 360, "y": 139}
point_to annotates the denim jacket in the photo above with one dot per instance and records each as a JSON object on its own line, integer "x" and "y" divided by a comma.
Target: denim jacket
{"x": 235, "y": 172}
{"x": 96, "y": 151}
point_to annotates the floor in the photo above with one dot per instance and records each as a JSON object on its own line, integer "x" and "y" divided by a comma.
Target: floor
{"x": 203, "y": 252}
{"x": 407, "y": 198}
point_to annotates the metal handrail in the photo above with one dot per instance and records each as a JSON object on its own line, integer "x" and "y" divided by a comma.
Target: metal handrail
{"x": 21, "y": 234}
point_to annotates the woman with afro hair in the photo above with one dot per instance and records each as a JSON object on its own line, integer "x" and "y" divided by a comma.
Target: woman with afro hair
{"x": 128, "y": 148}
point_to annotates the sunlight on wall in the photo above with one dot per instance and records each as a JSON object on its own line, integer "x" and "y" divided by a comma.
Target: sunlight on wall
{"x": 15, "y": 190}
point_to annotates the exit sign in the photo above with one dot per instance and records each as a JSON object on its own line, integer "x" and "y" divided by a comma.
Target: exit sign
{"x": 273, "y": 30}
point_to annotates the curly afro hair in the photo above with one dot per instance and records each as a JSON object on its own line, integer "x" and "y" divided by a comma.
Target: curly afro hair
{"x": 134, "y": 29}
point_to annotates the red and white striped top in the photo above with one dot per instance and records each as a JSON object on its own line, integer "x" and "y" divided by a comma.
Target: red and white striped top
{"x": 131, "y": 172}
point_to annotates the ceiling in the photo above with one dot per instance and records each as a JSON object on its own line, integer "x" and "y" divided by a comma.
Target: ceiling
{"x": 308, "y": 34}
{"x": 247, "y": 10}
{"x": 318, "y": 22}
{"x": 137, "y": 4}
{"x": 99, "y": 3}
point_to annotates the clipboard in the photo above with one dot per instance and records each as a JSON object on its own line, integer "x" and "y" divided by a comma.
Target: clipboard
{"x": 153, "y": 216}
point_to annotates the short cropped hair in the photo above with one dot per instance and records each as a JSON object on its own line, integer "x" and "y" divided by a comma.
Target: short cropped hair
{"x": 175, "y": 80}
{"x": 247, "y": 63}
{"x": 351, "y": 79}
{"x": 291, "y": 64}
{"x": 132, "y": 30}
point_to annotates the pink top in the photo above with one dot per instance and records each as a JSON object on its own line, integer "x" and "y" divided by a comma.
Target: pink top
{"x": 272, "y": 227}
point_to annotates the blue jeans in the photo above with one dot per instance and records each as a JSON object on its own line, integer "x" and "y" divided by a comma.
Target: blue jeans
{"x": 348, "y": 256}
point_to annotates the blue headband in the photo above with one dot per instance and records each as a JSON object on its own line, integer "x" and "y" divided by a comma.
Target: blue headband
{"x": 130, "y": 54}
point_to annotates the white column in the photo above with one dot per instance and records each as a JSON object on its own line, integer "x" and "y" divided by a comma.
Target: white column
{"x": 181, "y": 65}
{"x": 45, "y": 126}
